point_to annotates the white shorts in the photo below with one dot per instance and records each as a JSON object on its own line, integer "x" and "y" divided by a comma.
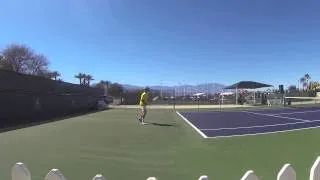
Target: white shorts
{"x": 144, "y": 109}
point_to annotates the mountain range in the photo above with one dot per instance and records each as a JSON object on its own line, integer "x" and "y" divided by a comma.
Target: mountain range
{"x": 209, "y": 88}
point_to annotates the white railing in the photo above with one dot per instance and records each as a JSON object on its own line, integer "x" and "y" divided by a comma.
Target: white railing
{"x": 20, "y": 172}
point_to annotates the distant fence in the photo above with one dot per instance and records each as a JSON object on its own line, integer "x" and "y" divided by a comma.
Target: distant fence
{"x": 26, "y": 98}
{"x": 20, "y": 172}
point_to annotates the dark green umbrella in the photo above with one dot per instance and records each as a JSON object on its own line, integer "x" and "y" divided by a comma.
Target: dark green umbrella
{"x": 247, "y": 85}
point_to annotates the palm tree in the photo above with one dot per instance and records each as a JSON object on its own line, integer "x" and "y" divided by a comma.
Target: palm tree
{"x": 103, "y": 84}
{"x": 88, "y": 78}
{"x": 107, "y": 83}
{"x": 84, "y": 79}
{"x": 303, "y": 82}
{"x": 80, "y": 76}
{"x": 55, "y": 74}
{"x": 307, "y": 77}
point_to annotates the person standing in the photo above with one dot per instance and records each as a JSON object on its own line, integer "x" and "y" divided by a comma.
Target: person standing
{"x": 144, "y": 101}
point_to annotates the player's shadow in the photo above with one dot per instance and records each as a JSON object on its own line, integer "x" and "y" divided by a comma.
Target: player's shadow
{"x": 163, "y": 124}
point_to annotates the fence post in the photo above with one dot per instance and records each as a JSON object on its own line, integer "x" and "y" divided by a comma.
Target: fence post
{"x": 98, "y": 177}
{"x": 54, "y": 174}
{"x": 250, "y": 175}
{"x": 287, "y": 173}
{"x": 315, "y": 170}
{"x": 20, "y": 172}
{"x": 203, "y": 177}
{"x": 151, "y": 178}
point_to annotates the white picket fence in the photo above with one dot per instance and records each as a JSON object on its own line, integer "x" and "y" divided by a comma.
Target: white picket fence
{"x": 20, "y": 172}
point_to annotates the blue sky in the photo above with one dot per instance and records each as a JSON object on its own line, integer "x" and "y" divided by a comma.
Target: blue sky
{"x": 146, "y": 42}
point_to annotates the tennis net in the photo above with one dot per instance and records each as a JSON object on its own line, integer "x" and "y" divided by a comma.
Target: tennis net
{"x": 302, "y": 102}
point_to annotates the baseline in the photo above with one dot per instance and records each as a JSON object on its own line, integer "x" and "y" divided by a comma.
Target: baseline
{"x": 301, "y": 112}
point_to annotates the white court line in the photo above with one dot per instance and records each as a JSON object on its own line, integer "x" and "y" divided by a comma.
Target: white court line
{"x": 249, "y": 127}
{"x": 264, "y": 133}
{"x": 301, "y": 112}
{"x": 297, "y": 119}
{"x": 193, "y": 126}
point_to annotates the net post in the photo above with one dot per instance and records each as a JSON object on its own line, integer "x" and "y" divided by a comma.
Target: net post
{"x": 174, "y": 103}
{"x": 236, "y": 95}
{"x": 220, "y": 102}
{"x": 284, "y": 99}
{"x": 221, "y": 99}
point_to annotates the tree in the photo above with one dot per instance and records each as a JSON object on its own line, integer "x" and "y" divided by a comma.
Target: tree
{"x": 292, "y": 88}
{"x": 115, "y": 89}
{"x": 103, "y": 84}
{"x": 17, "y": 56}
{"x": 4, "y": 64}
{"x": 55, "y": 74}
{"x": 84, "y": 79}
{"x": 37, "y": 65}
{"x": 107, "y": 83}
{"x": 314, "y": 86}
{"x": 22, "y": 59}
{"x": 88, "y": 78}
{"x": 80, "y": 76}
{"x": 305, "y": 81}
{"x": 307, "y": 77}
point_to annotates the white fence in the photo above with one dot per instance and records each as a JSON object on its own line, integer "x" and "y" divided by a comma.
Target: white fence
{"x": 20, "y": 172}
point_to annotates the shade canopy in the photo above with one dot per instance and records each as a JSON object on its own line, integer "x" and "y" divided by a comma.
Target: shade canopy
{"x": 247, "y": 85}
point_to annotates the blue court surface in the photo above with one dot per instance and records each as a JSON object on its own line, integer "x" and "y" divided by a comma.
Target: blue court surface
{"x": 215, "y": 124}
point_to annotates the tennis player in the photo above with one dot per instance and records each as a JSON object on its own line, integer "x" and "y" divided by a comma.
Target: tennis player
{"x": 144, "y": 99}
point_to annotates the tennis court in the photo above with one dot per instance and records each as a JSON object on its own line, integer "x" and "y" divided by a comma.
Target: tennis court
{"x": 114, "y": 144}
{"x": 240, "y": 123}
{"x": 304, "y": 114}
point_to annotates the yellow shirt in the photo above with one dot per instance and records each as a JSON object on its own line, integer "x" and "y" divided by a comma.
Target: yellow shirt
{"x": 144, "y": 99}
